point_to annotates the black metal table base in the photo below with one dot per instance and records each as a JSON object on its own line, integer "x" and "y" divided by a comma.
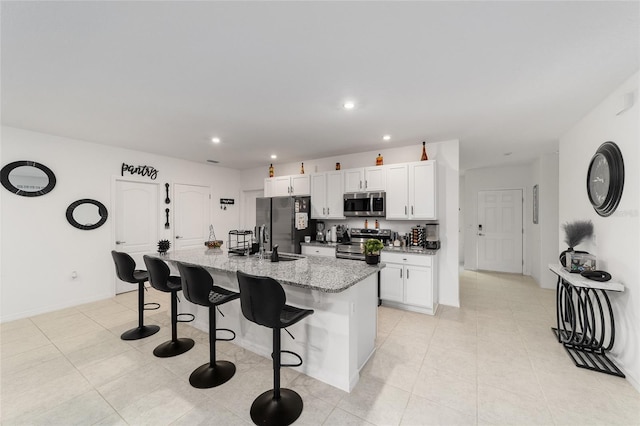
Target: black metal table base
{"x": 594, "y": 360}
{"x": 585, "y": 326}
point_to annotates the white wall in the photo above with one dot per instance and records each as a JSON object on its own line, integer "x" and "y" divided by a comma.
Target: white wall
{"x": 40, "y": 248}
{"x": 616, "y": 245}
{"x": 446, "y": 153}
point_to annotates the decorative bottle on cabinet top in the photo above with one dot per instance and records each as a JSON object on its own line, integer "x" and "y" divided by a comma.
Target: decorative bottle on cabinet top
{"x": 424, "y": 152}
{"x": 302, "y": 168}
{"x": 379, "y": 160}
{"x": 271, "y": 170}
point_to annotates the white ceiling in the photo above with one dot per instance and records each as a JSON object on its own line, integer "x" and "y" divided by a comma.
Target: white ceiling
{"x": 270, "y": 77}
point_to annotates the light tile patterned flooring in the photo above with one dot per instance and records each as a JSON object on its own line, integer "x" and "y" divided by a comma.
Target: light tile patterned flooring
{"x": 493, "y": 361}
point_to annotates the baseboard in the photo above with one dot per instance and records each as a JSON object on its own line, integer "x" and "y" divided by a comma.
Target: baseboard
{"x": 632, "y": 380}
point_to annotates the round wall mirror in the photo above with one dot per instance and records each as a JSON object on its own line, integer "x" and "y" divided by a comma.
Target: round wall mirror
{"x": 87, "y": 214}
{"x": 27, "y": 178}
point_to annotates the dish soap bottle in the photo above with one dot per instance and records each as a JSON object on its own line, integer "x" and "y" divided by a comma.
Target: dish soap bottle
{"x": 424, "y": 152}
{"x": 271, "y": 170}
{"x": 379, "y": 160}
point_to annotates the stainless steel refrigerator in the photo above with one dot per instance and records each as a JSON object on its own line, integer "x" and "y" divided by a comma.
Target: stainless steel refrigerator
{"x": 287, "y": 220}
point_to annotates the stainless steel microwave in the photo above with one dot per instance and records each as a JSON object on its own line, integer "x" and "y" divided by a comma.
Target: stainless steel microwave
{"x": 369, "y": 204}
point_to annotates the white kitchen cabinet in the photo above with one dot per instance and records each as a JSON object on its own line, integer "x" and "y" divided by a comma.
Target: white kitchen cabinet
{"x": 409, "y": 282}
{"x": 411, "y": 191}
{"x": 365, "y": 179}
{"x": 283, "y": 186}
{"x": 397, "y": 200}
{"x": 326, "y": 195}
{"x": 329, "y": 251}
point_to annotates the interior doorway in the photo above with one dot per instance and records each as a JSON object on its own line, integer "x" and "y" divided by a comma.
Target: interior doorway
{"x": 136, "y": 223}
{"x": 248, "y": 220}
{"x": 500, "y": 231}
{"x": 192, "y": 210}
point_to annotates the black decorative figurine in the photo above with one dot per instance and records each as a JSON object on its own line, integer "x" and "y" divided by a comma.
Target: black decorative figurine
{"x": 163, "y": 246}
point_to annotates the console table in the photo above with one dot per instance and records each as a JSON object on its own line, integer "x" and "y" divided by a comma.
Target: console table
{"x": 585, "y": 321}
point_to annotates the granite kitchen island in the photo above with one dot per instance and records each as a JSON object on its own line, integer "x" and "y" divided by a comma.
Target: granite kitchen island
{"x": 335, "y": 342}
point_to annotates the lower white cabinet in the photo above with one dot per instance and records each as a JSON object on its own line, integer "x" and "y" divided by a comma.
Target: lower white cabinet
{"x": 329, "y": 251}
{"x": 409, "y": 282}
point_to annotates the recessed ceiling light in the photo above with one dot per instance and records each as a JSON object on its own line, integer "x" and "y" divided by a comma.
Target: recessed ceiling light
{"x": 273, "y": 156}
{"x": 215, "y": 140}
{"x": 386, "y": 137}
{"x": 349, "y": 105}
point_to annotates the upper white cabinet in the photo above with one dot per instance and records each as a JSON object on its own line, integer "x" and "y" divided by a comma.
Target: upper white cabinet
{"x": 411, "y": 190}
{"x": 326, "y": 195}
{"x": 283, "y": 186}
{"x": 365, "y": 179}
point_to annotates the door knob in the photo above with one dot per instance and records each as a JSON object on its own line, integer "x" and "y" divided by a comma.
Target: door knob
{"x": 481, "y": 235}
{"x": 178, "y": 236}
{"x": 120, "y": 242}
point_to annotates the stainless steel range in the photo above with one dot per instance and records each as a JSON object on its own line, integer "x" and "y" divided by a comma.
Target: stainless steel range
{"x": 355, "y": 248}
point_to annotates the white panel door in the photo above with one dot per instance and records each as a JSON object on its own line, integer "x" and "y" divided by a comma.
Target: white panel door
{"x": 500, "y": 230}
{"x": 191, "y": 216}
{"x": 136, "y": 223}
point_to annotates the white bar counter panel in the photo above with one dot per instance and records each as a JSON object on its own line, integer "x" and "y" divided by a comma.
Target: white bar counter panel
{"x": 334, "y": 343}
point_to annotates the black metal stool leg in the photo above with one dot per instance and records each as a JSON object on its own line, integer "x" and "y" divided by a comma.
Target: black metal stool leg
{"x": 142, "y": 330}
{"x": 276, "y": 406}
{"x": 214, "y": 373}
{"x": 175, "y": 346}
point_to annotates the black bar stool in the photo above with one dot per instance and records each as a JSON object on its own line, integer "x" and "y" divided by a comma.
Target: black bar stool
{"x": 263, "y": 302}
{"x": 162, "y": 280}
{"x": 127, "y": 272}
{"x": 198, "y": 288}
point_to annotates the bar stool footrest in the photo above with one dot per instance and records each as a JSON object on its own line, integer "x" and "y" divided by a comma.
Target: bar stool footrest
{"x": 152, "y": 306}
{"x": 225, "y": 339}
{"x": 294, "y": 354}
{"x": 186, "y": 320}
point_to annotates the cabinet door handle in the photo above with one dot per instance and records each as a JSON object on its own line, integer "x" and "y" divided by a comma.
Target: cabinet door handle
{"x": 400, "y": 273}
{"x": 360, "y": 184}
{"x": 411, "y": 210}
{"x": 407, "y": 274}
{"x": 327, "y": 211}
{"x": 323, "y": 210}
{"x": 405, "y": 209}
{"x": 366, "y": 184}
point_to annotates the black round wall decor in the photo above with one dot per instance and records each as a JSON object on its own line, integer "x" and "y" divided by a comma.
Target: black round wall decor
{"x": 95, "y": 222}
{"x": 605, "y": 179}
{"x": 27, "y": 190}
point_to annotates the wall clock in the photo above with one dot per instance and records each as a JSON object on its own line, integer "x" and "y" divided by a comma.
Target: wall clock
{"x": 605, "y": 179}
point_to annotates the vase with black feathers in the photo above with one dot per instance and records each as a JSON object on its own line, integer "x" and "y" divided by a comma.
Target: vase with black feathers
{"x": 163, "y": 246}
{"x": 575, "y": 233}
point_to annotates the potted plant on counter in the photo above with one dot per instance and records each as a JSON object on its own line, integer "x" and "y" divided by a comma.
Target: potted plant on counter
{"x": 372, "y": 249}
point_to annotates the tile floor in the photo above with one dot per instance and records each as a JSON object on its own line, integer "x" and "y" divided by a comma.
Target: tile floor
{"x": 494, "y": 361}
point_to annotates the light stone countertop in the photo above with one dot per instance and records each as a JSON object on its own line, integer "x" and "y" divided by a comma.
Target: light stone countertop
{"x": 427, "y": 252}
{"x": 321, "y": 273}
